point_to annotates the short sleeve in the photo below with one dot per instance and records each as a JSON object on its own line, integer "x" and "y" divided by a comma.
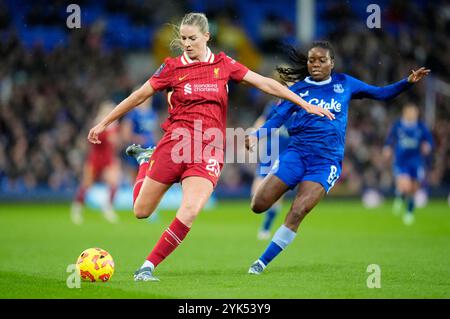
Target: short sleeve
{"x": 162, "y": 78}
{"x": 237, "y": 70}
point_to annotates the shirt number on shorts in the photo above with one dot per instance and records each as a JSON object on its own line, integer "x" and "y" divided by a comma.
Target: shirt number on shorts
{"x": 213, "y": 167}
{"x": 333, "y": 175}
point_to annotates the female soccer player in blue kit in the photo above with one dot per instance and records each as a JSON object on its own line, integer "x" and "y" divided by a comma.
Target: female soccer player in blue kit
{"x": 411, "y": 142}
{"x": 263, "y": 168}
{"x": 314, "y": 156}
{"x": 139, "y": 127}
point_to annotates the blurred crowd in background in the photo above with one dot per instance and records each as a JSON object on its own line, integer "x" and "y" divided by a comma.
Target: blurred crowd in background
{"x": 52, "y": 79}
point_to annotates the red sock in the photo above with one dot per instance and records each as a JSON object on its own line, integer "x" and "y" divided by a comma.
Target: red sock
{"x": 139, "y": 180}
{"x": 80, "y": 195}
{"x": 112, "y": 193}
{"x": 170, "y": 239}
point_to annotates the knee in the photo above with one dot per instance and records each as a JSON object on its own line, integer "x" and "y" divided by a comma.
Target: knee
{"x": 405, "y": 187}
{"x": 406, "y": 190}
{"x": 141, "y": 212}
{"x": 259, "y": 204}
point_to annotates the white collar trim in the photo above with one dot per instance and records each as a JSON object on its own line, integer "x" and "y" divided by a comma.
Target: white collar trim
{"x": 185, "y": 59}
{"x": 308, "y": 80}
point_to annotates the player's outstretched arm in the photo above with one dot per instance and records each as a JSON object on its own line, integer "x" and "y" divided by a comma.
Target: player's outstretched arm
{"x": 133, "y": 100}
{"x": 427, "y": 142}
{"x": 270, "y": 86}
{"x": 363, "y": 90}
{"x": 282, "y": 113}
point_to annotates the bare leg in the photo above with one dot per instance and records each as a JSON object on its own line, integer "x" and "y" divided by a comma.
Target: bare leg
{"x": 196, "y": 192}
{"x": 269, "y": 217}
{"x": 270, "y": 190}
{"x": 87, "y": 180}
{"x": 149, "y": 197}
{"x": 111, "y": 175}
{"x": 408, "y": 187}
{"x": 308, "y": 195}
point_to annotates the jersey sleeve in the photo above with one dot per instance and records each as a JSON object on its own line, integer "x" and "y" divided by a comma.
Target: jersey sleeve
{"x": 280, "y": 115}
{"x": 362, "y": 90}
{"x": 427, "y": 136}
{"x": 270, "y": 108}
{"x": 390, "y": 139}
{"x": 237, "y": 70}
{"x": 162, "y": 78}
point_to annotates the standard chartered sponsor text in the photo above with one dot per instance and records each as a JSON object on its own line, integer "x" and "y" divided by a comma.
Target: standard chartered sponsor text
{"x": 206, "y": 88}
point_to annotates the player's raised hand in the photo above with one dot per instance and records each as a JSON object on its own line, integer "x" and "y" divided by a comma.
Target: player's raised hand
{"x": 425, "y": 148}
{"x": 95, "y": 132}
{"x": 386, "y": 153}
{"x": 417, "y": 75}
{"x": 250, "y": 142}
{"x": 317, "y": 110}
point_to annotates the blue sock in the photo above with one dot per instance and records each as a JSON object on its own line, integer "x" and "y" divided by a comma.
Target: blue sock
{"x": 282, "y": 237}
{"x": 410, "y": 205}
{"x": 400, "y": 195}
{"x": 271, "y": 252}
{"x": 269, "y": 218}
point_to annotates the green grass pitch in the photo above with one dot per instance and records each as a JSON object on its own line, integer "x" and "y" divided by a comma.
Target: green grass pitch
{"x": 328, "y": 259}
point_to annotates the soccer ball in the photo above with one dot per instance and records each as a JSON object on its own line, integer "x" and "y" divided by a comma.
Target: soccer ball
{"x": 95, "y": 264}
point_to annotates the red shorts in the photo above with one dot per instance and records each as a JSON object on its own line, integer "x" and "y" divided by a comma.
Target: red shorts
{"x": 98, "y": 166}
{"x": 175, "y": 159}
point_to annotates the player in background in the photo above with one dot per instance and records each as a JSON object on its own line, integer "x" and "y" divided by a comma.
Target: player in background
{"x": 139, "y": 127}
{"x": 281, "y": 138}
{"x": 102, "y": 164}
{"x": 410, "y": 142}
{"x": 197, "y": 96}
{"x": 315, "y": 152}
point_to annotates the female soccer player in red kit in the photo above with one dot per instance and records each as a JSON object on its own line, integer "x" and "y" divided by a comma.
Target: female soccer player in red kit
{"x": 197, "y": 94}
{"x": 103, "y": 164}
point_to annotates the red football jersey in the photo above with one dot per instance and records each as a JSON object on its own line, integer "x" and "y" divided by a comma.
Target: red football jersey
{"x": 197, "y": 91}
{"x": 103, "y": 153}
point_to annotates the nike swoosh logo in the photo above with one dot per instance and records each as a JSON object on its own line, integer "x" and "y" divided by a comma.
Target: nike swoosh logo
{"x": 181, "y": 78}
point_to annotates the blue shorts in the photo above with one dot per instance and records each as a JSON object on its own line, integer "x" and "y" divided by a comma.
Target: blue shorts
{"x": 293, "y": 167}
{"x": 263, "y": 168}
{"x": 414, "y": 171}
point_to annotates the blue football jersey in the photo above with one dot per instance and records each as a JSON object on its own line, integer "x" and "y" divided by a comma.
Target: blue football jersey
{"x": 283, "y": 134}
{"x": 144, "y": 122}
{"x": 406, "y": 140}
{"x": 318, "y": 135}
